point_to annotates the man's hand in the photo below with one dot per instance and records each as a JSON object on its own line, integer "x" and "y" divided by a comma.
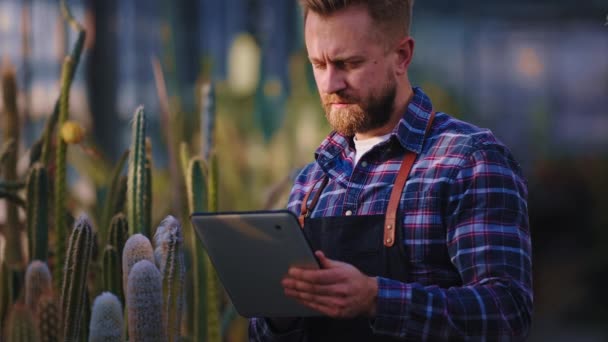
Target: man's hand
{"x": 338, "y": 290}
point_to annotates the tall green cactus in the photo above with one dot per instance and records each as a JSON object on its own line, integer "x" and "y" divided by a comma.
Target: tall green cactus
{"x": 147, "y": 209}
{"x": 197, "y": 202}
{"x": 206, "y": 298}
{"x": 48, "y": 323}
{"x": 136, "y": 248}
{"x": 75, "y": 278}
{"x": 144, "y": 303}
{"x": 115, "y": 198}
{"x": 106, "y": 319}
{"x": 213, "y": 286}
{"x": 14, "y": 255}
{"x": 37, "y": 211}
{"x": 169, "y": 257}
{"x": 60, "y": 167}
{"x": 119, "y": 232}
{"x": 37, "y": 282}
{"x": 20, "y": 326}
{"x": 112, "y": 277}
{"x": 136, "y": 181}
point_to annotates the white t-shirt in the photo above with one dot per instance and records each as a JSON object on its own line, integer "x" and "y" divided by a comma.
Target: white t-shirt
{"x": 363, "y": 146}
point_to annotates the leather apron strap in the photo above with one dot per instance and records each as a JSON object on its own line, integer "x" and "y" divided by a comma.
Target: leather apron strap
{"x": 390, "y": 222}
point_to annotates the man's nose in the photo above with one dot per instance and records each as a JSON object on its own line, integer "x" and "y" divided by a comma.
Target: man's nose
{"x": 333, "y": 81}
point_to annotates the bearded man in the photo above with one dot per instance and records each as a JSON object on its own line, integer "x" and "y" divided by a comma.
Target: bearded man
{"x": 418, "y": 220}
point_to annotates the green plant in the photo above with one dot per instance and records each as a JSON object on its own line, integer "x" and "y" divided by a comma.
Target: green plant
{"x": 75, "y": 272}
{"x": 136, "y": 248}
{"x": 20, "y": 325}
{"x": 37, "y": 282}
{"x": 106, "y": 319}
{"x": 144, "y": 303}
{"x": 136, "y": 181}
{"x": 116, "y": 195}
{"x": 118, "y": 234}
{"x": 37, "y": 211}
{"x": 14, "y": 255}
{"x": 112, "y": 277}
{"x": 170, "y": 259}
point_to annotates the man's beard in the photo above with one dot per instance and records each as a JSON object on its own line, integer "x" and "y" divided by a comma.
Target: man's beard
{"x": 360, "y": 116}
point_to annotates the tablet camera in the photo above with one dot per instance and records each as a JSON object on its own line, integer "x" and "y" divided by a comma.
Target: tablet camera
{"x": 277, "y": 227}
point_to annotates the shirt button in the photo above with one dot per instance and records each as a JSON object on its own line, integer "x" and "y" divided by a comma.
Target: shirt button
{"x": 364, "y": 164}
{"x": 348, "y": 213}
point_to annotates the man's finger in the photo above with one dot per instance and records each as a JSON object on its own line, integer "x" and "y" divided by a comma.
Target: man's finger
{"x": 336, "y": 290}
{"x": 324, "y": 276}
{"x": 322, "y": 300}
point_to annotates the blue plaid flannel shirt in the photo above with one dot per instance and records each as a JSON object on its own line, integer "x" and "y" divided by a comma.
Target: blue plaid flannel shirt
{"x": 465, "y": 229}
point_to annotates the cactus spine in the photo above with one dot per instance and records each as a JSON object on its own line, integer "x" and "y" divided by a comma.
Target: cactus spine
{"x": 147, "y": 208}
{"x": 37, "y": 211}
{"x": 14, "y": 255}
{"x": 170, "y": 258}
{"x": 144, "y": 303}
{"x": 136, "y": 181}
{"x": 37, "y": 282}
{"x": 20, "y": 325}
{"x": 73, "y": 289}
{"x": 137, "y": 248}
{"x": 106, "y": 319}
{"x": 48, "y": 319}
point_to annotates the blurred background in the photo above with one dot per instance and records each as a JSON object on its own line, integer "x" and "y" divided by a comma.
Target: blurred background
{"x": 534, "y": 72}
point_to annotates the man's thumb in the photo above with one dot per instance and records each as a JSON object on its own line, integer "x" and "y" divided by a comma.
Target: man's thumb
{"x": 324, "y": 261}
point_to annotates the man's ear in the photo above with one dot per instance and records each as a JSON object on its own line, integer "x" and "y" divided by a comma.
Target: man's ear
{"x": 405, "y": 52}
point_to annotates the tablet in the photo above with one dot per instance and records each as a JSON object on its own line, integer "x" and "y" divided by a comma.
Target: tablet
{"x": 252, "y": 252}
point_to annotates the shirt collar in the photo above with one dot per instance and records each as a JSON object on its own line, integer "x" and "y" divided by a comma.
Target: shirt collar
{"x": 409, "y": 132}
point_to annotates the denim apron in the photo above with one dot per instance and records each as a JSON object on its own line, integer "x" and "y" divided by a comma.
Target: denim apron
{"x": 366, "y": 242}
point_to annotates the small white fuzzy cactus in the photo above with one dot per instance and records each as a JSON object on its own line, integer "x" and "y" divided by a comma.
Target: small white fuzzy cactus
{"x": 107, "y": 323}
{"x": 37, "y": 282}
{"x": 144, "y": 303}
{"x": 137, "y": 248}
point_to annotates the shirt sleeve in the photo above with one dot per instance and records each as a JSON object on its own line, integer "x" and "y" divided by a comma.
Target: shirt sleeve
{"x": 488, "y": 241}
{"x": 260, "y": 331}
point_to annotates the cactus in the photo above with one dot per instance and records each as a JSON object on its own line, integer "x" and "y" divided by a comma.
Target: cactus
{"x": 20, "y": 326}
{"x": 136, "y": 181}
{"x": 14, "y": 255}
{"x": 208, "y": 115}
{"x": 60, "y": 167}
{"x": 75, "y": 277}
{"x": 197, "y": 202}
{"x": 47, "y": 319}
{"x": 170, "y": 259}
{"x": 147, "y": 208}
{"x": 115, "y": 199}
{"x": 37, "y": 212}
{"x": 106, "y": 319}
{"x": 37, "y": 283}
{"x": 112, "y": 277}
{"x": 119, "y": 232}
{"x": 144, "y": 303}
{"x": 213, "y": 286}
{"x": 137, "y": 248}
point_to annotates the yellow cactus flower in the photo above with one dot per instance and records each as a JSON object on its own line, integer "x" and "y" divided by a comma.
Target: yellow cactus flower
{"x": 72, "y": 132}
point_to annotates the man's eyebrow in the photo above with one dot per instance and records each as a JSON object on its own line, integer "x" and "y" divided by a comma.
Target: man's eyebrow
{"x": 339, "y": 59}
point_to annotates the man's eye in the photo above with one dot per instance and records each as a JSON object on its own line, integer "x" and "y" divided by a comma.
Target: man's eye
{"x": 318, "y": 65}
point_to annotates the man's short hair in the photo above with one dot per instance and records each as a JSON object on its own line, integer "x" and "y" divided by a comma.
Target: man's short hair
{"x": 395, "y": 16}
